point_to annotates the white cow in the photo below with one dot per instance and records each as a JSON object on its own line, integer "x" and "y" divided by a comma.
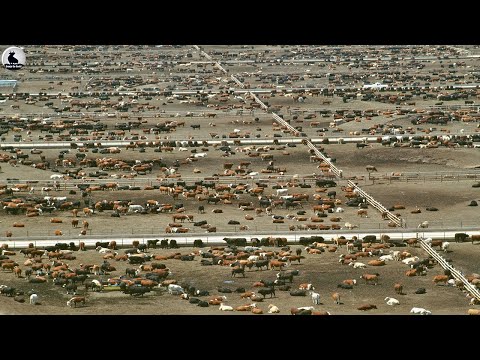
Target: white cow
{"x": 392, "y": 301}
{"x": 272, "y": 309}
{"x": 396, "y": 255}
{"x": 428, "y": 241}
{"x": 423, "y": 225}
{"x": 315, "y": 297}
{"x": 445, "y": 246}
{"x": 409, "y": 260}
{"x": 33, "y": 299}
{"x": 282, "y": 192}
{"x": 225, "y": 307}
{"x": 175, "y": 289}
{"x": 253, "y": 258}
{"x": 350, "y": 226}
{"x": 103, "y": 250}
{"x": 339, "y": 210}
{"x": 200, "y": 155}
{"x": 182, "y": 149}
{"x": 386, "y": 258}
{"x": 420, "y": 311}
{"x": 358, "y": 265}
{"x": 135, "y": 208}
{"x": 97, "y": 285}
{"x": 252, "y": 248}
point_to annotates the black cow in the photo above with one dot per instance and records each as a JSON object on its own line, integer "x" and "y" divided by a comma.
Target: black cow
{"x": 136, "y": 260}
{"x": 8, "y": 291}
{"x": 187, "y": 257}
{"x": 201, "y": 209}
{"x": 173, "y": 244}
{"x": 261, "y": 263}
{"x": 224, "y": 290}
{"x": 369, "y": 238}
{"x": 298, "y": 292}
{"x": 238, "y": 271}
{"x": 131, "y": 251}
{"x": 71, "y": 288}
{"x": 130, "y": 272}
{"x": 136, "y": 290}
{"x": 198, "y": 243}
{"x": 345, "y": 286}
{"x": 79, "y": 278}
{"x": 194, "y": 300}
{"x": 28, "y": 273}
{"x": 304, "y": 312}
{"x": 142, "y": 247}
{"x": 202, "y": 303}
{"x": 206, "y": 262}
{"x": 164, "y": 244}
{"x": 420, "y": 291}
{"x": 152, "y": 243}
{"x": 213, "y": 199}
{"x": 267, "y": 291}
{"x": 200, "y": 223}
{"x": 289, "y": 277}
{"x": 202, "y": 293}
{"x": 268, "y": 283}
{"x": 60, "y": 281}
{"x": 284, "y": 288}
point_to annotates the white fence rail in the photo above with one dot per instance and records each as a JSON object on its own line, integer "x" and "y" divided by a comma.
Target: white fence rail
{"x": 455, "y": 273}
{"x": 377, "y": 205}
{"x": 317, "y": 152}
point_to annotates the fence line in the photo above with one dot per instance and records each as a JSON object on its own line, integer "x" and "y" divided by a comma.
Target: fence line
{"x": 455, "y": 273}
{"x": 377, "y": 205}
{"x": 317, "y": 152}
{"x": 429, "y": 177}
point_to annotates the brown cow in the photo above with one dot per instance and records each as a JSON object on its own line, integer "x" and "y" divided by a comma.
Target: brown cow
{"x": 75, "y": 223}
{"x": 336, "y": 298}
{"x": 277, "y": 264}
{"x": 76, "y": 300}
{"x": 8, "y": 266}
{"x": 440, "y": 278}
{"x": 412, "y": 272}
{"x": 370, "y": 278}
{"x": 366, "y": 307}
{"x": 376, "y": 263}
{"x": 398, "y": 288}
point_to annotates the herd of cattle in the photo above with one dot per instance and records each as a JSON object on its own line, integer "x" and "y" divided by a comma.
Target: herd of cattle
{"x": 132, "y": 107}
{"x": 147, "y": 271}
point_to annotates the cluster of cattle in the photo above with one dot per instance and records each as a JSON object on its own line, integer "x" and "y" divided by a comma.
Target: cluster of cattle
{"x": 148, "y": 273}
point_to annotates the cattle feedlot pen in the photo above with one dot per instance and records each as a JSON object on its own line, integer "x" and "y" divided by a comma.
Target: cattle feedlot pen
{"x": 256, "y": 164}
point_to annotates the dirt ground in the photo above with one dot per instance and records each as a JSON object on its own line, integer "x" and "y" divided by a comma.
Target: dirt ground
{"x": 323, "y": 271}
